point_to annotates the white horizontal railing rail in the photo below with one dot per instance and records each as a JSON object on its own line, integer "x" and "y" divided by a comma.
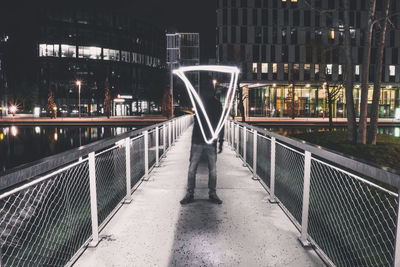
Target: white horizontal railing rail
{"x": 348, "y": 209}
{"x": 48, "y": 219}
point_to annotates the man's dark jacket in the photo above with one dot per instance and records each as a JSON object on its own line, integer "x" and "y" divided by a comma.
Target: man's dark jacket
{"x": 213, "y": 108}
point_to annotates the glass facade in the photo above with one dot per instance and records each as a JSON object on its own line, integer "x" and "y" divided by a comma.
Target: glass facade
{"x": 311, "y": 101}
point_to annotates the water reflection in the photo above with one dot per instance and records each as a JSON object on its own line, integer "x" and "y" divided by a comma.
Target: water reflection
{"x": 23, "y": 144}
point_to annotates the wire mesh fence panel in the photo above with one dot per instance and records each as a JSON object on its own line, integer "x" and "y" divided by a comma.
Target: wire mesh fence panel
{"x": 289, "y": 175}
{"x": 240, "y": 135}
{"x": 249, "y": 147}
{"x": 234, "y": 135}
{"x": 46, "y": 223}
{"x": 110, "y": 180}
{"x": 152, "y": 148}
{"x": 352, "y": 221}
{"x": 264, "y": 159}
{"x": 137, "y": 160}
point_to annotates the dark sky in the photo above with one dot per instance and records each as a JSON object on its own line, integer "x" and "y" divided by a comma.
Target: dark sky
{"x": 183, "y": 15}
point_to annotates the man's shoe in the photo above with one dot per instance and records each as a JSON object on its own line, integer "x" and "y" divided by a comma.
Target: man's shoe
{"x": 189, "y": 198}
{"x": 215, "y": 199}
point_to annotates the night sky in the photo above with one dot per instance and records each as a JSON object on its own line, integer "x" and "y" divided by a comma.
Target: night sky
{"x": 182, "y": 15}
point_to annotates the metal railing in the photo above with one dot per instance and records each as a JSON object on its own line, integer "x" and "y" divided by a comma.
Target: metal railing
{"x": 51, "y": 210}
{"x": 347, "y": 209}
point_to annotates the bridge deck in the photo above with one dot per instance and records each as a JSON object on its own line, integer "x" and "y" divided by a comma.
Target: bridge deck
{"x": 155, "y": 230}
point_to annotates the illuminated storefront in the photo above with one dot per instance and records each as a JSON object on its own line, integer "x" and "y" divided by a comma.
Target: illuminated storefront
{"x": 265, "y": 100}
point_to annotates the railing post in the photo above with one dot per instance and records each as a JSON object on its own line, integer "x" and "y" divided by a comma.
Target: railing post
{"x": 232, "y": 135}
{"x": 306, "y": 199}
{"x": 272, "y": 198}
{"x": 128, "y": 197}
{"x": 169, "y": 134}
{"x": 93, "y": 200}
{"x": 173, "y": 132}
{"x": 237, "y": 140}
{"x": 164, "y": 139}
{"x": 396, "y": 261}
{"x": 244, "y": 146}
{"x": 146, "y": 155}
{"x": 255, "y": 134}
{"x": 157, "y": 149}
{"x": 1, "y": 256}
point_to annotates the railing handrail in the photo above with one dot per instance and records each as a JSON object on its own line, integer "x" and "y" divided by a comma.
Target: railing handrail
{"x": 30, "y": 170}
{"x": 382, "y": 174}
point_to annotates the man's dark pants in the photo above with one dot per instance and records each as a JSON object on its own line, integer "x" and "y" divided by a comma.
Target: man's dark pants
{"x": 196, "y": 151}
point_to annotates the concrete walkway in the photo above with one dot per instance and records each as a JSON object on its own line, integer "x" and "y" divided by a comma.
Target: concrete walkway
{"x": 155, "y": 230}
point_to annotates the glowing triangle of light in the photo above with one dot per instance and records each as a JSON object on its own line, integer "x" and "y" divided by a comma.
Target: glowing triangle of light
{"x": 196, "y": 100}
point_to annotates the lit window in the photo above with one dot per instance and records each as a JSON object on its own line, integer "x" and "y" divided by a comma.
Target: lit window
{"x": 296, "y": 66}
{"x": 340, "y": 71}
{"x": 254, "y": 67}
{"x": 125, "y": 56}
{"x": 110, "y": 54}
{"x": 264, "y": 67}
{"x": 283, "y": 0}
{"x": 316, "y": 67}
{"x": 352, "y": 33}
{"x": 89, "y": 52}
{"x": 332, "y": 34}
{"x": 357, "y": 70}
{"x": 68, "y": 51}
{"x": 307, "y": 67}
{"x": 134, "y": 57}
{"x": 328, "y": 68}
{"x": 293, "y": 1}
{"x": 274, "y": 68}
{"x": 49, "y": 50}
{"x": 392, "y": 70}
{"x": 286, "y": 68}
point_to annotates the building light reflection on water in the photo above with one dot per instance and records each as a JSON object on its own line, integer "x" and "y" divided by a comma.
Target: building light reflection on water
{"x": 13, "y": 131}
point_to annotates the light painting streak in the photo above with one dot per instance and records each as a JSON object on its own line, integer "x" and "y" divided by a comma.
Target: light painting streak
{"x": 195, "y": 98}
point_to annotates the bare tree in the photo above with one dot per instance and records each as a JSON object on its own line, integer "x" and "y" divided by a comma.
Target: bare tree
{"x": 107, "y": 99}
{"x": 351, "y": 118}
{"x": 333, "y": 94}
{"x": 362, "y": 124}
{"x": 378, "y": 79}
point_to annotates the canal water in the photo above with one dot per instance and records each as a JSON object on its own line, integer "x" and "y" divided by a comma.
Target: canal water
{"x": 24, "y": 144}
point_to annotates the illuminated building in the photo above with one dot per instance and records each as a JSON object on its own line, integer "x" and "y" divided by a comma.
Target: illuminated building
{"x": 183, "y": 49}
{"x": 275, "y": 44}
{"x": 102, "y": 48}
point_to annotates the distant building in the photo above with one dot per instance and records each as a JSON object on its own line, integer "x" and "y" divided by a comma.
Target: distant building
{"x": 183, "y": 49}
{"x": 101, "y": 48}
{"x": 281, "y": 44}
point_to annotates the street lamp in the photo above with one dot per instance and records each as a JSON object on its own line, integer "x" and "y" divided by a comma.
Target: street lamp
{"x": 13, "y": 109}
{"x": 79, "y": 97}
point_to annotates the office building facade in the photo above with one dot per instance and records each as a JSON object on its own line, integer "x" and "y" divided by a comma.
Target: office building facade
{"x": 183, "y": 49}
{"x": 101, "y": 49}
{"x": 287, "y": 47}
